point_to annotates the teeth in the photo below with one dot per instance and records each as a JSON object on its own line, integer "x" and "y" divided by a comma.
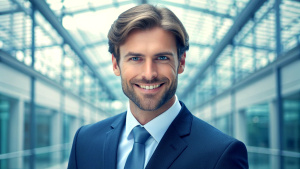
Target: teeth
{"x": 149, "y": 87}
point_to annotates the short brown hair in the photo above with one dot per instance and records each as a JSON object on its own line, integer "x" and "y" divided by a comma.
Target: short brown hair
{"x": 145, "y": 17}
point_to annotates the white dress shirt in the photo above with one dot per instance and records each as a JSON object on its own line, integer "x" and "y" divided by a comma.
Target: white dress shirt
{"x": 156, "y": 128}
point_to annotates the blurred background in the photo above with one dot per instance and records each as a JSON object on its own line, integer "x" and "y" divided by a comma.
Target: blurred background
{"x": 242, "y": 75}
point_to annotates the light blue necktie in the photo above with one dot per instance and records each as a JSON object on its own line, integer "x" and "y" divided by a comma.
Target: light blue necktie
{"x": 136, "y": 158}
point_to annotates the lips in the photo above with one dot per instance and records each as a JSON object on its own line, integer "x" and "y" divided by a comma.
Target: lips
{"x": 150, "y": 86}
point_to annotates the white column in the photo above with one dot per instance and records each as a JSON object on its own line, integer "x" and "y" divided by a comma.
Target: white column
{"x": 56, "y": 136}
{"x": 16, "y": 132}
{"x": 240, "y": 125}
{"x": 273, "y": 134}
{"x": 74, "y": 126}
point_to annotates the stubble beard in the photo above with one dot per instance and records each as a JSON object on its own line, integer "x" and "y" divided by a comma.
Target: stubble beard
{"x": 148, "y": 103}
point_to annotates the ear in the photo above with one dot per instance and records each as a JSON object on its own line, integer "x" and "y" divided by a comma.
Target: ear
{"x": 181, "y": 63}
{"x": 116, "y": 68}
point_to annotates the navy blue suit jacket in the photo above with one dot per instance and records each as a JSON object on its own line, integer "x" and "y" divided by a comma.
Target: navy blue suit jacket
{"x": 189, "y": 143}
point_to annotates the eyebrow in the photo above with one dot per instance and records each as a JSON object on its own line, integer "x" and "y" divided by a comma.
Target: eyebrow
{"x": 133, "y": 54}
{"x": 139, "y": 54}
{"x": 164, "y": 53}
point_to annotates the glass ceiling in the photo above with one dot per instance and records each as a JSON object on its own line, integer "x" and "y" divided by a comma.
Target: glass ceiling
{"x": 71, "y": 44}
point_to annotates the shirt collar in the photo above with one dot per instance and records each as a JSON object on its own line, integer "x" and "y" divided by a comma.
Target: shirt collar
{"x": 157, "y": 126}
{"x": 131, "y": 122}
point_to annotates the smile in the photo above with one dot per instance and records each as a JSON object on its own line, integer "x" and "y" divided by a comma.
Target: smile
{"x": 149, "y": 87}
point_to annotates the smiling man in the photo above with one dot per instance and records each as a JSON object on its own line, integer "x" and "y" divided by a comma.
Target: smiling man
{"x": 149, "y": 67}
{"x": 148, "y": 46}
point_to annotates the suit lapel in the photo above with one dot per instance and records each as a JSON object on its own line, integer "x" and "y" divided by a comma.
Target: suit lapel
{"x": 172, "y": 144}
{"x": 111, "y": 143}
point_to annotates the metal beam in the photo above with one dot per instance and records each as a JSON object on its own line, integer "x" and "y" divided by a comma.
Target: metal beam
{"x": 278, "y": 82}
{"x": 200, "y": 45}
{"x": 98, "y": 8}
{"x": 44, "y": 9}
{"x": 239, "y": 22}
{"x": 8, "y": 12}
{"x": 6, "y": 59}
{"x": 197, "y": 9}
{"x": 283, "y": 60}
{"x": 32, "y": 114}
{"x": 266, "y": 48}
{"x": 259, "y": 20}
{"x": 98, "y": 43}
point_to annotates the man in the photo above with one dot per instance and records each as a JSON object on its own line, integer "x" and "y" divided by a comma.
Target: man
{"x": 148, "y": 46}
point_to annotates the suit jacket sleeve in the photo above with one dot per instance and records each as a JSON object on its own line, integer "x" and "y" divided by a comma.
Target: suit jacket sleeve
{"x": 234, "y": 157}
{"x": 72, "y": 159}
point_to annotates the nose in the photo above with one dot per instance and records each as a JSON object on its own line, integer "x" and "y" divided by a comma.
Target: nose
{"x": 149, "y": 70}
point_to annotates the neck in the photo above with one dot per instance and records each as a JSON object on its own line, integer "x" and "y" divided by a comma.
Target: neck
{"x": 143, "y": 117}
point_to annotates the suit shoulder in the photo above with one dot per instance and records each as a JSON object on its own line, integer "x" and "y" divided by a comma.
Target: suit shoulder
{"x": 209, "y": 132}
{"x": 103, "y": 125}
{"x": 218, "y": 149}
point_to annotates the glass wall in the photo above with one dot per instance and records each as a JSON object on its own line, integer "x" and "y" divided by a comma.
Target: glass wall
{"x": 291, "y": 131}
{"x": 258, "y": 125}
{"x": 258, "y": 132}
{"x": 4, "y": 127}
{"x": 54, "y": 132}
{"x": 43, "y": 136}
{"x": 224, "y": 123}
{"x": 68, "y": 122}
{"x": 257, "y": 135}
{"x": 291, "y": 162}
{"x": 259, "y": 161}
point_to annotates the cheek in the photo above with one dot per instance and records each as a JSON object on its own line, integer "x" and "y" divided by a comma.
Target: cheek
{"x": 128, "y": 72}
{"x": 173, "y": 64}
{"x": 169, "y": 70}
{"x": 174, "y": 67}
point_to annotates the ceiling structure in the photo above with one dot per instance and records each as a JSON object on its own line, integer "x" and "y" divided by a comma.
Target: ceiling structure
{"x": 228, "y": 40}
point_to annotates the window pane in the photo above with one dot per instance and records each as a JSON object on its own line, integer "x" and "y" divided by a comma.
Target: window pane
{"x": 66, "y": 135}
{"x": 27, "y": 127}
{"x": 42, "y": 126}
{"x": 291, "y": 163}
{"x": 291, "y": 123}
{"x": 4, "y": 127}
{"x": 223, "y": 123}
{"x": 258, "y": 125}
{"x": 43, "y": 121}
{"x": 259, "y": 161}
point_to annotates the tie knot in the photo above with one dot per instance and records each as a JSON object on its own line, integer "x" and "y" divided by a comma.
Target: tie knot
{"x": 140, "y": 134}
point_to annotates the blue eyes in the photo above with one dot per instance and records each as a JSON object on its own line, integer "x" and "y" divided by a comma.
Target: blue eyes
{"x": 162, "y": 58}
{"x": 158, "y": 58}
{"x": 135, "y": 58}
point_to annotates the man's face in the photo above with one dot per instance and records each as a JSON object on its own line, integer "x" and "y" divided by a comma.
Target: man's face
{"x": 149, "y": 68}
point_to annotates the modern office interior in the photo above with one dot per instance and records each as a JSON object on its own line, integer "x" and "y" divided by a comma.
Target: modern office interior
{"x": 242, "y": 75}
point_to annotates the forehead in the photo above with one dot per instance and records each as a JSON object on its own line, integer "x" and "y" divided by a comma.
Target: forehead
{"x": 150, "y": 39}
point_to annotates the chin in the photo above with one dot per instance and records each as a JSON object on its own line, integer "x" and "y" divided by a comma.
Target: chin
{"x": 149, "y": 105}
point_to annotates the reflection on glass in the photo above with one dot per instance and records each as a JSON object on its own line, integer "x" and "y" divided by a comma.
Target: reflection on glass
{"x": 43, "y": 121}
{"x": 291, "y": 163}
{"x": 68, "y": 120}
{"x": 258, "y": 125}
{"x": 291, "y": 123}
{"x": 258, "y": 161}
{"x": 42, "y": 160}
{"x": 43, "y": 133}
{"x": 42, "y": 126}
{"x": 27, "y": 132}
{"x": 4, "y": 127}
{"x": 7, "y": 163}
{"x": 66, "y": 154}
{"x": 223, "y": 123}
